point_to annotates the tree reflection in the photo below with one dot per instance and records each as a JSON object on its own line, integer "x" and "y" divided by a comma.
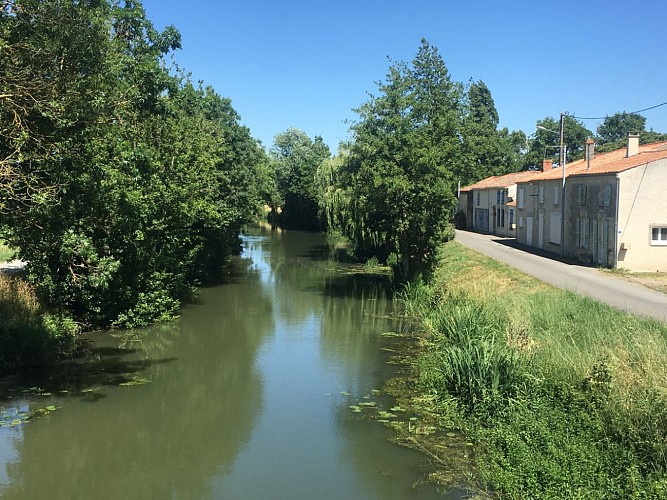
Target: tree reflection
{"x": 167, "y": 438}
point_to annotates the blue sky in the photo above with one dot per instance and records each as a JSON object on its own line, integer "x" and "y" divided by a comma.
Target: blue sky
{"x": 307, "y": 64}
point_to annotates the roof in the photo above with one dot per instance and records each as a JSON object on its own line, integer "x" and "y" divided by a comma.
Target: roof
{"x": 608, "y": 163}
{"x": 502, "y": 181}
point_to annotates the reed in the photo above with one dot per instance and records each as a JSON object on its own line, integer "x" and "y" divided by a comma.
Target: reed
{"x": 28, "y": 334}
{"x": 563, "y": 393}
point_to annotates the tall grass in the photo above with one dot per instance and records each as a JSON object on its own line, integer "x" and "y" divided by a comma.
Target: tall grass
{"x": 28, "y": 334}
{"x": 566, "y": 396}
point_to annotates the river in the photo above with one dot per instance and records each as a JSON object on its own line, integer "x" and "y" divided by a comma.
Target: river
{"x": 246, "y": 396}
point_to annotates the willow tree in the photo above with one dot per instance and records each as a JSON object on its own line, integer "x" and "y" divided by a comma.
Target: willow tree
{"x": 405, "y": 148}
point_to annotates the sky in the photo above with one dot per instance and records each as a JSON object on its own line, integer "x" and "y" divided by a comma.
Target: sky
{"x": 308, "y": 64}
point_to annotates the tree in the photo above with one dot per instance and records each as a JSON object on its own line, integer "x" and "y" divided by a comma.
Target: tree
{"x": 133, "y": 183}
{"x": 616, "y": 127}
{"x": 546, "y": 141}
{"x": 405, "y": 151}
{"x": 296, "y": 158}
{"x": 487, "y": 150}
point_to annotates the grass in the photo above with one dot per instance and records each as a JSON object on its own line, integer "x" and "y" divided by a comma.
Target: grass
{"x": 564, "y": 397}
{"x": 29, "y": 335}
{"x": 6, "y": 253}
{"x": 654, "y": 280}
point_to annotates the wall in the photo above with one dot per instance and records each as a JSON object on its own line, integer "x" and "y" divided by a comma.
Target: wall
{"x": 591, "y": 219}
{"x": 542, "y": 204}
{"x": 642, "y": 203}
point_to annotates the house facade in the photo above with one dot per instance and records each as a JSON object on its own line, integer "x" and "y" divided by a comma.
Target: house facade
{"x": 614, "y": 212}
{"x": 490, "y": 206}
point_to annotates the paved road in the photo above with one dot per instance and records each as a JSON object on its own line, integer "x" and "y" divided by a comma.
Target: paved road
{"x": 583, "y": 280}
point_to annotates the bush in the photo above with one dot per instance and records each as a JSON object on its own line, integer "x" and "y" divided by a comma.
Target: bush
{"x": 28, "y": 335}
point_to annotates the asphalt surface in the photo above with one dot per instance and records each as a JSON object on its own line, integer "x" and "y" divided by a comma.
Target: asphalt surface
{"x": 583, "y": 280}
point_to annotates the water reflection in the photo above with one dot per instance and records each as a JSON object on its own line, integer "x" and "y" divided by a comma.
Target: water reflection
{"x": 164, "y": 439}
{"x": 248, "y": 397}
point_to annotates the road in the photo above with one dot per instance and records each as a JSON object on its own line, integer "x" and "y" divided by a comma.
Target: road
{"x": 588, "y": 281}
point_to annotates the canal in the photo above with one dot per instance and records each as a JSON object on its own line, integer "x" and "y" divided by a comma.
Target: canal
{"x": 247, "y": 395}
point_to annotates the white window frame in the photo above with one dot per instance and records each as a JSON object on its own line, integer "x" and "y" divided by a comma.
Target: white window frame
{"x": 659, "y": 230}
{"x": 557, "y": 190}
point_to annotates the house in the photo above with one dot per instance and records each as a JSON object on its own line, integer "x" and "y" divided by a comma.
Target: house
{"x": 490, "y": 206}
{"x": 614, "y": 212}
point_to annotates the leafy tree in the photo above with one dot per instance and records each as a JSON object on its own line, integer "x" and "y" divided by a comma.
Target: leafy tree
{"x": 405, "y": 152}
{"x": 546, "y": 141}
{"x": 296, "y": 158}
{"x": 617, "y": 126}
{"x": 137, "y": 181}
{"x": 487, "y": 150}
{"x": 614, "y": 130}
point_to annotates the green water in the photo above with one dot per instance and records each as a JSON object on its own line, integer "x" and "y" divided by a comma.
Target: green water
{"x": 247, "y": 395}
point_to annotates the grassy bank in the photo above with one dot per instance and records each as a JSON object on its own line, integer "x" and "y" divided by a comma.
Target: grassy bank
{"x": 29, "y": 335}
{"x": 561, "y": 396}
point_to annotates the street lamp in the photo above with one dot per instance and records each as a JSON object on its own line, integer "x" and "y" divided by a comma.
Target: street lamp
{"x": 563, "y": 161}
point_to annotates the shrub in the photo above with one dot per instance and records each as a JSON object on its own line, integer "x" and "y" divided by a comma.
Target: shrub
{"x": 28, "y": 335}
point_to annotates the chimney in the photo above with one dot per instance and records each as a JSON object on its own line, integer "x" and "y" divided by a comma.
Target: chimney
{"x": 633, "y": 145}
{"x": 547, "y": 165}
{"x": 590, "y": 152}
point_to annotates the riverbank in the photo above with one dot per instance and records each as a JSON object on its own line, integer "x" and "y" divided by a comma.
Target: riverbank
{"x": 29, "y": 335}
{"x": 560, "y": 396}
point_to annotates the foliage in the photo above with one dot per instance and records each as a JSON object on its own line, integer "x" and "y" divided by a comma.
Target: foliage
{"x": 614, "y": 130}
{"x": 617, "y": 126}
{"x": 28, "y": 335}
{"x": 470, "y": 359}
{"x": 296, "y": 159}
{"x": 582, "y": 414}
{"x": 133, "y": 183}
{"x": 6, "y": 253}
{"x": 487, "y": 150}
{"x": 395, "y": 191}
{"x": 546, "y": 141}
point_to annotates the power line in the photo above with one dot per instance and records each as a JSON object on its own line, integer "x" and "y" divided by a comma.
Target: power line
{"x": 631, "y": 113}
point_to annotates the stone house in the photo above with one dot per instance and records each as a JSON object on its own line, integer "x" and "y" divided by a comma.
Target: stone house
{"x": 615, "y": 210}
{"x": 490, "y": 206}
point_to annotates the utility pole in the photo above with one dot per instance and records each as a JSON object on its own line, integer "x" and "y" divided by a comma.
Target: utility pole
{"x": 562, "y": 194}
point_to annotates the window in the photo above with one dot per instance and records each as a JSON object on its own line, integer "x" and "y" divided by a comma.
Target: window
{"x": 554, "y": 228}
{"x": 477, "y": 198}
{"x": 605, "y": 196}
{"x": 503, "y": 197}
{"x": 582, "y": 232}
{"x": 519, "y": 203}
{"x": 659, "y": 235}
{"x": 557, "y": 190}
{"x": 502, "y": 218}
{"x": 511, "y": 216}
{"x": 498, "y": 197}
{"x": 540, "y": 193}
{"x": 498, "y": 224}
{"x": 582, "y": 194}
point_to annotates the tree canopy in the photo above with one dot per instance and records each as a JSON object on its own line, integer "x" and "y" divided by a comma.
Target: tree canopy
{"x": 295, "y": 158}
{"x": 123, "y": 184}
{"x": 545, "y": 143}
{"x": 396, "y": 189}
